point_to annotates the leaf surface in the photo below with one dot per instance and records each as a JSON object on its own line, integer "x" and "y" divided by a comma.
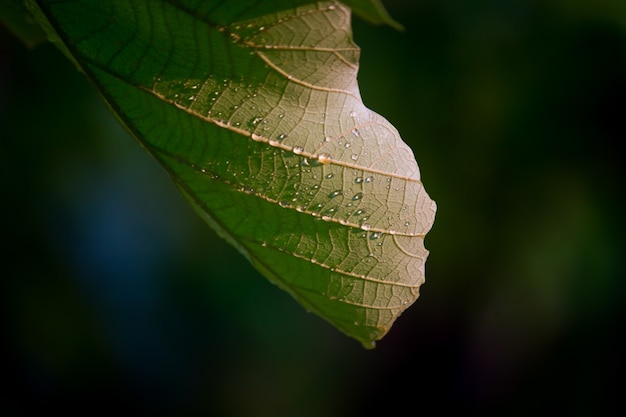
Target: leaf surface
{"x": 255, "y": 111}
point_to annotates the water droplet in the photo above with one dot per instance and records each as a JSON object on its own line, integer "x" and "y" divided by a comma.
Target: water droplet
{"x": 329, "y": 176}
{"x": 309, "y": 162}
{"x": 298, "y": 150}
{"x": 407, "y": 223}
{"x": 354, "y": 157}
{"x": 255, "y": 121}
{"x": 366, "y": 226}
{"x": 281, "y": 136}
{"x": 357, "y": 196}
{"x": 328, "y": 138}
{"x": 355, "y": 132}
{"x": 352, "y": 113}
{"x": 335, "y": 193}
{"x": 359, "y": 212}
{"x": 358, "y": 180}
{"x": 324, "y": 158}
{"x": 284, "y": 203}
{"x": 374, "y": 235}
{"x": 368, "y": 180}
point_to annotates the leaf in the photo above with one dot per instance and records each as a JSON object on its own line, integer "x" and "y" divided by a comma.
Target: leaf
{"x": 372, "y": 11}
{"x": 255, "y": 111}
{"x": 15, "y": 17}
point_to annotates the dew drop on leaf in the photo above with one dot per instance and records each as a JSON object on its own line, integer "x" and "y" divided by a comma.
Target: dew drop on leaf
{"x": 255, "y": 121}
{"x": 310, "y": 162}
{"x": 324, "y": 158}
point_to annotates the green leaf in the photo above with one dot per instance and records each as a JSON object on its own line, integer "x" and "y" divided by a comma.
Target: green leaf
{"x": 15, "y": 17}
{"x": 372, "y": 11}
{"x": 255, "y": 111}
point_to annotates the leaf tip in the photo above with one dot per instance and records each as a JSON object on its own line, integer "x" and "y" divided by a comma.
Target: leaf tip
{"x": 369, "y": 345}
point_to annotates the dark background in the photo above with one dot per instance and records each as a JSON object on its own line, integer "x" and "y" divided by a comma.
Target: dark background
{"x": 115, "y": 296}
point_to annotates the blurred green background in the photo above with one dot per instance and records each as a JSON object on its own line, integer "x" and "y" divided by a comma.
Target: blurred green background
{"x": 116, "y": 297}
